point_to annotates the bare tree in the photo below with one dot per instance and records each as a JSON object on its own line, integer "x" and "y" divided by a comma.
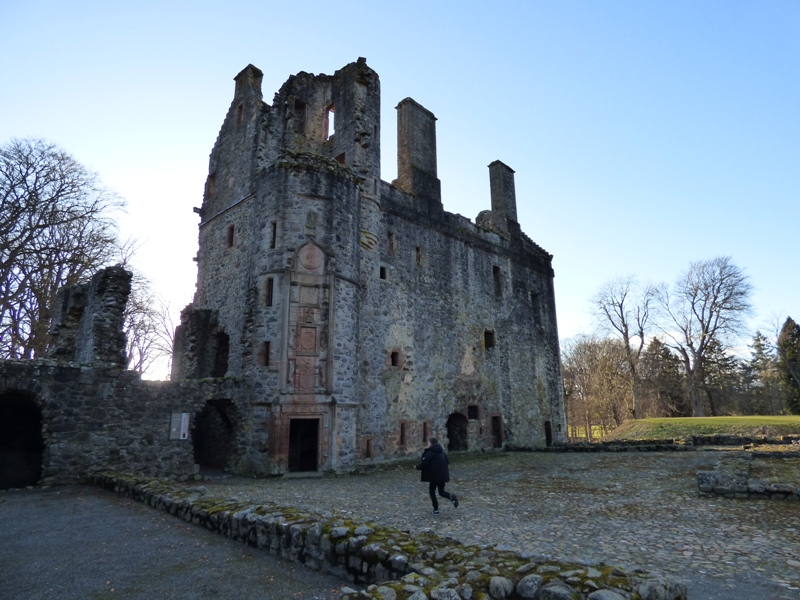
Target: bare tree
{"x": 709, "y": 305}
{"x": 624, "y": 310}
{"x": 148, "y": 326}
{"x": 56, "y": 229}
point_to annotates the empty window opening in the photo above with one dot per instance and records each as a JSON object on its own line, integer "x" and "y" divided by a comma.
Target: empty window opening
{"x": 269, "y": 287}
{"x": 418, "y": 255}
{"x": 472, "y": 412}
{"x": 390, "y": 241}
{"x": 229, "y": 236}
{"x": 497, "y": 274}
{"x": 221, "y": 350}
{"x": 497, "y": 432}
{"x": 383, "y": 272}
{"x": 211, "y": 185}
{"x": 394, "y": 358}
{"x": 299, "y": 116}
{"x": 264, "y": 352}
{"x": 239, "y": 114}
{"x": 330, "y": 125}
{"x": 426, "y": 432}
{"x": 368, "y": 450}
{"x": 548, "y": 434}
{"x": 402, "y": 434}
{"x": 375, "y": 187}
{"x": 488, "y": 339}
{"x": 340, "y": 159}
{"x": 273, "y": 234}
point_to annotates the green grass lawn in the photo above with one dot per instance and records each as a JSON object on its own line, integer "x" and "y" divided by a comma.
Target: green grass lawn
{"x": 679, "y": 427}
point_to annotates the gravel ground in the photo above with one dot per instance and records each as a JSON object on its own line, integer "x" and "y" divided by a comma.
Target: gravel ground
{"x": 629, "y": 509}
{"x": 79, "y": 543}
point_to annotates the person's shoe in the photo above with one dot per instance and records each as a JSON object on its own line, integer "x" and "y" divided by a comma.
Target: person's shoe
{"x": 454, "y": 500}
{"x": 436, "y": 512}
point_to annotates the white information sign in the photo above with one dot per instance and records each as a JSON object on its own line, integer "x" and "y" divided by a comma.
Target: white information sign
{"x": 179, "y": 426}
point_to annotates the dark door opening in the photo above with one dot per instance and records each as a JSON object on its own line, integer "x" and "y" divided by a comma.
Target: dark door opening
{"x": 213, "y": 435}
{"x": 21, "y": 441}
{"x": 457, "y": 432}
{"x": 497, "y": 432}
{"x": 548, "y": 433}
{"x": 303, "y": 444}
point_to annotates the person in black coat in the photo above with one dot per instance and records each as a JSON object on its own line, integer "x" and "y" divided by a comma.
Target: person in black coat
{"x": 436, "y": 471}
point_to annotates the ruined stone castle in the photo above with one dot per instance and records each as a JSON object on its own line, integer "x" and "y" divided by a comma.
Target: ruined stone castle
{"x": 338, "y": 318}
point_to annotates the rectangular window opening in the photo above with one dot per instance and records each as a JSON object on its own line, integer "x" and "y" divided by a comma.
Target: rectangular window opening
{"x": 269, "y": 287}
{"x": 394, "y": 359}
{"x": 497, "y": 274}
{"x": 418, "y": 255}
{"x": 340, "y": 159}
{"x": 239, "y": 114}
{"x": 426, "y": 432}
{"x": 229, "y": 236}
{"x": 264, "y": 352}
{"x": 472, "y": 412}
{"x": 390, "y": 241}
{"x": 330, "y": 125}
{"x": 273, "y": 234}
{"x": 368, "y": 452}
{"x": 488, "y": 339}
{"x": 383, "y": 272}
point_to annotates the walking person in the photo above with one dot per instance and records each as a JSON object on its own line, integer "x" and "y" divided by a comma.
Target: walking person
{"x": 436, "y": 471}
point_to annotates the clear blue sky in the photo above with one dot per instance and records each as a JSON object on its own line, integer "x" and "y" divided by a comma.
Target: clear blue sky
{"x": 644, "y": 135}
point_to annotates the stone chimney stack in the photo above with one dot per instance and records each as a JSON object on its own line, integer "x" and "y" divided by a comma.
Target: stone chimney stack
{"x": 416, "y": 152}
{"x": 504, "y": 198}
{"x": 248, "y": 80}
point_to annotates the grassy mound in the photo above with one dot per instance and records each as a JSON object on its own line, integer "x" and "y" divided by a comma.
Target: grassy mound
{"x": 681, "y": 427}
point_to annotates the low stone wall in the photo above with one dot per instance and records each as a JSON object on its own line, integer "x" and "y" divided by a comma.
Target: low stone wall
{"x": 396, "y": 565}
{"x": 668, "y": 444}
{"x": 731, "y": 479}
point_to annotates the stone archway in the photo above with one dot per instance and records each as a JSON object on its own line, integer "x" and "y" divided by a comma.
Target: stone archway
{"x": 21, "y": 440}
{"x": 457, "y": 432}
{"x": 214, "y": 435}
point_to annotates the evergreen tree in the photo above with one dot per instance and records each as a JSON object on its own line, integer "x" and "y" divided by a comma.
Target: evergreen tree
{"x": 789, "y": 365}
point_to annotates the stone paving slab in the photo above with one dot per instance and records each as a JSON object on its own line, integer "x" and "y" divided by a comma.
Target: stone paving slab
{"x": 629, "y": 509}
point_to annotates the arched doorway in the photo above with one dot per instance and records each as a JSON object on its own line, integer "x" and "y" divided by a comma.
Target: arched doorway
{"x": 457, "y": 432}
{"x": 214, "y": 435}
{"x": 21, "y": 441}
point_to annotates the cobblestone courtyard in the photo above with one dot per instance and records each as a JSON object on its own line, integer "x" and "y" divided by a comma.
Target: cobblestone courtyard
{"x": 629, "y": 509}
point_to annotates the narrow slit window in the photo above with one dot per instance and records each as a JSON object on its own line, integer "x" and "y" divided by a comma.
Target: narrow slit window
{"x": 383, "y": 272}
{"x": 394, "y": 359}
{"x": 497, "y": 275}
{"x": 368, "y": 451}
{"x": 390, "y": 241}
{"x": 426, "y": 432}
{"x": 239, "y": 114}
{"x": 418, "y": 255}
{"x": 488, "y": 339}
{"x": 229, "y": 236}
{"x": 273, "y": 234}
{"x": 264, "y": 352}
{"x": 269, "y": 287}
{"x": 330, "y": 124}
